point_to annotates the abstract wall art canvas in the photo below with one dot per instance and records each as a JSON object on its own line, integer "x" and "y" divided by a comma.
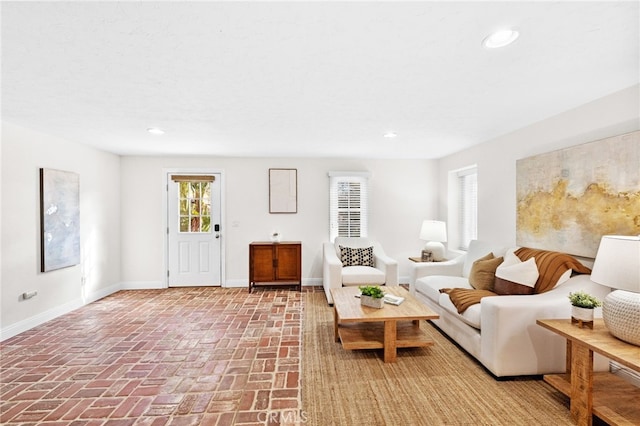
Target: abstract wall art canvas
{"x": 283, "y": 190}
{"x": 59, "y": 219}
{"x": 568, "y": 199}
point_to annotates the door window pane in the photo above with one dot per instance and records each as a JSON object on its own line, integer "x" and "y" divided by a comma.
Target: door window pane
{"x": 206, "y": 223}
{"x": 184, "y": 223}
{"x": 195, "y": 206}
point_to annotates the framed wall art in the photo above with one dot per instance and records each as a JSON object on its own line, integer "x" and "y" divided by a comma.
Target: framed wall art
{"x": 568, "y": 199}
{"x": 283, "y": 190}
{"x": 59, "y": 219}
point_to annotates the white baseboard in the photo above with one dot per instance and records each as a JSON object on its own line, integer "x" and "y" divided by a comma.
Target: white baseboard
{"x": 97, "y": 295}
{"x": 236, "y": 284}
{"x": 143, "y": 285}
{"x": 312, "y": 282}
{"x": 41, "y": 318}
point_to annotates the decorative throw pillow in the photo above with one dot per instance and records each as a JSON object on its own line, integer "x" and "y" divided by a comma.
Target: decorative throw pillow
{"x": 356, "y": 256}
{"x": 510, "y": 258}
{"x": 553, "y": 267}
{"x": 483, "y": 271}
{"x": 517, "y": 278}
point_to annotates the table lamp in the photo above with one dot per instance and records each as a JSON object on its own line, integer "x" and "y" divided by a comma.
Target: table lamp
{"x": 617, "y": 265}
{"x": 435, "y": 233}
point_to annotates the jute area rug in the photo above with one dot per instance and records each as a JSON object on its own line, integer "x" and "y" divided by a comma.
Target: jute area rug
{"x": 438, "y": 385}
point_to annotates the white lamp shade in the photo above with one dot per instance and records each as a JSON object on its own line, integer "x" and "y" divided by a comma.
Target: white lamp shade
{"x": 433, "y": 230}
{"x": 617, "y": 263}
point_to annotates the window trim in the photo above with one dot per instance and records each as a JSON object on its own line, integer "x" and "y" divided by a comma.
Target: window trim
{"x": 459, "y": 238}
{"x": 337, "y": 177}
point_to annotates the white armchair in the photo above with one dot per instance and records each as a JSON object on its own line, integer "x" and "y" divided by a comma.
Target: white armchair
{"x": 334, "y": 275}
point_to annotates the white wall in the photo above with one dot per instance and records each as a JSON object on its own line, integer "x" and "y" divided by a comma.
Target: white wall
{"x": 612, "y": 115}
{"x": 24, "y": 152}
{"x": 402, "y": 194}
{"x": 122, "y": 205}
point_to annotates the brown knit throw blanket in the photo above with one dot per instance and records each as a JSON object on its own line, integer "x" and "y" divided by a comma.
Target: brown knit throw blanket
{"x": 463, "y": 298}
{"x": 551, "y": 265}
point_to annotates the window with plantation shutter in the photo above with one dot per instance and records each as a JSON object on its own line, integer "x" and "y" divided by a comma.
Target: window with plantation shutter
{"x": 347, "y": 204}
{"x": 467, "y": 180}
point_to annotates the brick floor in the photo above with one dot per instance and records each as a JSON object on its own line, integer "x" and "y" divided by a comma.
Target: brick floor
{"x": 183, "y": 356}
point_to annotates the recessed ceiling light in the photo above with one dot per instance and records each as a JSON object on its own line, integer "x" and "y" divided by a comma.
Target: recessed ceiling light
{"x": 500, "y": 39}
{"x": 390, "y": 135}
{"x": 155, "y": 131}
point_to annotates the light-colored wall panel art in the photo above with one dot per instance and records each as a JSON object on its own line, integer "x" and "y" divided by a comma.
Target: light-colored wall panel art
{"x": 283, "y": 190}
{"x": 59, "y": 219}
{"x": 568, "y": 199}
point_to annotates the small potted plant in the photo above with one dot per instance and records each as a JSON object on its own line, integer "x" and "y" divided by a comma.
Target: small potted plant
{"x": 582, "y": 307}
{"x": 372, "y": 296}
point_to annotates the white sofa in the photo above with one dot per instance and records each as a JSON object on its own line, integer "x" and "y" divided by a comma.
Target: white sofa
{"x": 501, "y": 331}
{"x": 334, "y": 275}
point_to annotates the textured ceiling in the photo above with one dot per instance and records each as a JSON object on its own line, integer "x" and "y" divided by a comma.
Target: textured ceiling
{"x": 321, "y": 79}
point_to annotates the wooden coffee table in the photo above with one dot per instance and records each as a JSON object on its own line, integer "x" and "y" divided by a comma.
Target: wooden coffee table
{"x": 389, "y": 328}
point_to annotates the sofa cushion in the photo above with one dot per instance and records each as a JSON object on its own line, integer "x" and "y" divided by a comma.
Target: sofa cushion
{"x": 356, "y": 256}
{"x": 483, "y": 272}
{"x": 471, "y": 316}
{"x": 463, "y": 298}
{"x": 516, "y": 278}
{"x": 362, "y": 275}
{"x": 430, "y": 286}
{"x": 564, "y": 277}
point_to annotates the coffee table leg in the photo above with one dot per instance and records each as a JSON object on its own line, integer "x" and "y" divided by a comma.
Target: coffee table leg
{"x": 335, "y": 324}
{"x": 390, "y": 341}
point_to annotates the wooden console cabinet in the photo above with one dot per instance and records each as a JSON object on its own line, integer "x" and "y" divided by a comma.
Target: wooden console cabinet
{"x": 606, "y": 395}
{"x": 275, "y": 263}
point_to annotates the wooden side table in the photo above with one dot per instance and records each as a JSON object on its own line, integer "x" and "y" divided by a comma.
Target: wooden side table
{"x": 273, "y": 263}
{"x": 606, "y": 395}
{"x": 418, "y": 259}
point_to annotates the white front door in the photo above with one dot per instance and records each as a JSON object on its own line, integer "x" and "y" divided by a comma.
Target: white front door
{"x": 193, "y": 227}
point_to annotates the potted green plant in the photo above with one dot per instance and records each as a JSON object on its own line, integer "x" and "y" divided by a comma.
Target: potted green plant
{"x": 582, "y": 306}
{"x": 372, "y": 296}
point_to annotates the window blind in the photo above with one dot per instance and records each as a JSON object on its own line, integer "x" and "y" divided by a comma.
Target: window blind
{"x": 467, "y": 206}
{"x": 348, "y": 204}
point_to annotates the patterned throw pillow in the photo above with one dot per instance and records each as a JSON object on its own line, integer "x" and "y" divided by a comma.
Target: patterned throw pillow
{"x": 356, "y": 256}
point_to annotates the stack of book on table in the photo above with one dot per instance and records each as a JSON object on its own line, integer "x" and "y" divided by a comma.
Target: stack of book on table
{"x": 392, "y": 299}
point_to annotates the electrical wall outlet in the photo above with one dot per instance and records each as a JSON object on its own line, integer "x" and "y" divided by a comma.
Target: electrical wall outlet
{"x": 29, "y": 294}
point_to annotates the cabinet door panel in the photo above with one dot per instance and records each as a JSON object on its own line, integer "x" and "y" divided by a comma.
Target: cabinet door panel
{"x": 263, "y": 269}
{"x": 288, "y": 262}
